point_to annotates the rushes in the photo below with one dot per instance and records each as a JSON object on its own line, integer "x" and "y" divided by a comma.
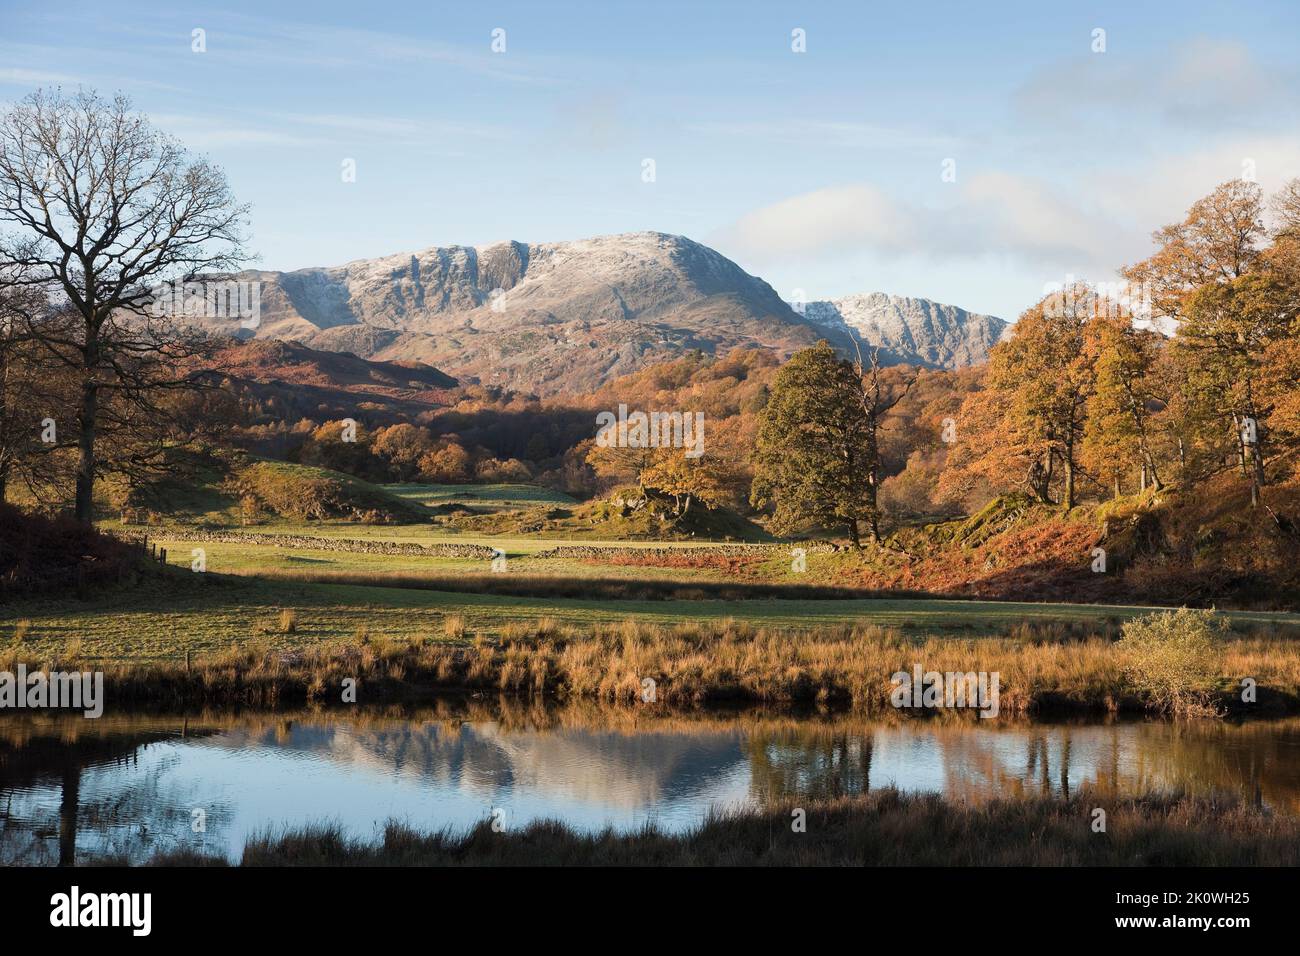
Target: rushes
{"x": 695, "y": 664}
{"x": 881, "y": 828}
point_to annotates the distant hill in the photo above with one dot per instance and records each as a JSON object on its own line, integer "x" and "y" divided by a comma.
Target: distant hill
{"x": 911, "y": 331}
{"x": 298, "y": 381}
{"x": 542, "y": 317}
{"x": 296, "y": 364}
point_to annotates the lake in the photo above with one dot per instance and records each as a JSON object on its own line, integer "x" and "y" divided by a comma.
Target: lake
{"x": 126, "y": 787}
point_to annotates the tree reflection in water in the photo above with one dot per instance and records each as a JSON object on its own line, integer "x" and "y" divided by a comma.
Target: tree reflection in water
{"x": 121, "y": 788}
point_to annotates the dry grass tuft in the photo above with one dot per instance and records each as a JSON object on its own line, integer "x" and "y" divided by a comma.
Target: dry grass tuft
{"x": 882, "y": 828}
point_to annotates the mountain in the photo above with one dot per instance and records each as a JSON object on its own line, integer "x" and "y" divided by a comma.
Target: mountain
{"x": 911, "y": 331}
{"x": 536, "y": 317}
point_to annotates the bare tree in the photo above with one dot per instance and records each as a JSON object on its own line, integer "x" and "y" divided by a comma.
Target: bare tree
{"x": 102, "y": 210}
{"x": 877, "y": 401}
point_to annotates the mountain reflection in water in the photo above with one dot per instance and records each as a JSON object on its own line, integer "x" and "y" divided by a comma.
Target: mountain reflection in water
{"x": 73, "y": 790}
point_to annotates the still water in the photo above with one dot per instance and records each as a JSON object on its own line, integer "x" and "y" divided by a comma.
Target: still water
{"x": 127, "y": 787}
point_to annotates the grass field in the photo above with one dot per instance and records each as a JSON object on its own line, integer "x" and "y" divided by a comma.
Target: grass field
{"x": 162, "y": 620}
{"x": 253, "y": 586}
{"x": 498, "y": 495}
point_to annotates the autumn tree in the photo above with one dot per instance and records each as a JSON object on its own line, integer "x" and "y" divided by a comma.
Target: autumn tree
{"x": 1217, "y": 241}
{"x": 1280, "y": 369}
{"x": 1226, "y": 332}
{"x": 100, "y": 210}
{"x": 343, "y": 445}
{"x": 448, "y": 464}
{"x": 616, "y": 463}
{"x": 402, "y": 446}
{"x": 1027, "y": 424}
{"x": 687, "y": 480}
{"x": 1120, "y": 428}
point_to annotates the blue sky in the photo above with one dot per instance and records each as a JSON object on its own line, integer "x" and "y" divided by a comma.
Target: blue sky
{"x": 820, "y": 171}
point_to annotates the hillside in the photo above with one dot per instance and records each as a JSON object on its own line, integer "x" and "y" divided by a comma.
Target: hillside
{"x": 235, "y": 488}
{"x": 289, "y": 381}
{"x": 293, "y": 363}
{"x": 538, "y": 317}
{"x": 1198, "y": 547}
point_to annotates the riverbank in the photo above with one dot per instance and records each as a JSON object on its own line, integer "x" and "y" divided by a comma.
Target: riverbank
{"x": 1041, "y": 669}
{"x": 884, "y": 828}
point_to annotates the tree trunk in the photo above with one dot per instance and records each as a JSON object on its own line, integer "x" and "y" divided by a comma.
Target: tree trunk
{"x": 1241, "y": 446}
{"x": 1039, "y": 480}
{"x": 85, "y": 504}
{"x": 1257, "y": 478}
{"x": 853, "y": 533}
{"x": 1067, "y": 498}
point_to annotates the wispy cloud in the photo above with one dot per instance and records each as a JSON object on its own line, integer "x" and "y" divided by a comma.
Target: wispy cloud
{"x": 17, "y": 76}
{"x": 393, "y": 127}
{"x": 294, "y": 42}
{"x": 1203, "y": 83}
{"x": 822, "y": 133}
{"x": 206, "y": 131}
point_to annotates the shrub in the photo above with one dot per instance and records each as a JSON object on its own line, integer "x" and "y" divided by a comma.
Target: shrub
{"x": 1173, "y": 658}
{"x": 313, "y": 494}
{"x": 43, "y": 554}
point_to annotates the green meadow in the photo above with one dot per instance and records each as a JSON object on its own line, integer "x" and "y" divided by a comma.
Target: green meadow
{"x": 281, "y": 596}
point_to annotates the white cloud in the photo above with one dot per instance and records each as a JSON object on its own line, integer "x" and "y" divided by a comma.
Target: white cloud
{"x": 1087, "y": 221}
{"x": 994, "y": 215}
{"x": 823, "y": 221}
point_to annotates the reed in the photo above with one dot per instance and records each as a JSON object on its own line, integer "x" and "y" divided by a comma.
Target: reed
{"x": 695, "y": 664}
{"x": 882, "y": 828}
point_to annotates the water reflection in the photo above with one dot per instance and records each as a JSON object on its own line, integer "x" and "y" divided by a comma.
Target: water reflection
{"x": 121, "y": 788}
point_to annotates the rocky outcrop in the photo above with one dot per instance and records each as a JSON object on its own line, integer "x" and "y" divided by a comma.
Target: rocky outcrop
{"x": 911, "y": 331}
